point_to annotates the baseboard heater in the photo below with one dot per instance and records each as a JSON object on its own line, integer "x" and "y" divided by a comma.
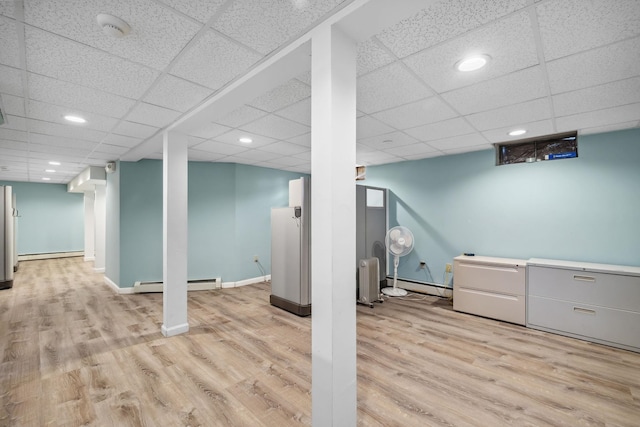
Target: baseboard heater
{"x": 192, "y": 285}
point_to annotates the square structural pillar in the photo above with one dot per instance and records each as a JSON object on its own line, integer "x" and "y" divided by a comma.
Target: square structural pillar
{"x": 333, "y": 228}
{"x": 174, "y": 234}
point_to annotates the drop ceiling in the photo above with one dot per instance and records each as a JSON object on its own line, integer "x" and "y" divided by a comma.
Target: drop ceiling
{"x": 555, "y": 66}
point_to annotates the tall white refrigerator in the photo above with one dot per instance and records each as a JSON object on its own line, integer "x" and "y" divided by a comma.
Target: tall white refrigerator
{"x": 7, "y": 237}
{"x": 291, "y": 251}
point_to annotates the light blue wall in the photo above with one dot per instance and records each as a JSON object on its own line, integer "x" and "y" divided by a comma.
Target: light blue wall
{"x": 229, "y": 219}
{"x": 583, "y": 209}
{"x": 257, "y": 191}
{"x": 51, "y": 220}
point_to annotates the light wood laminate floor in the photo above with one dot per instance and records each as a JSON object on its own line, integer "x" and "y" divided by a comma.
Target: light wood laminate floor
{"x": 75, "y": 353}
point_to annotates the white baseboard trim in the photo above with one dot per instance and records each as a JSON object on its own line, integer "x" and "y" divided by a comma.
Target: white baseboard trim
{"x": 423, "y": 288}
{"x": 246, "y": 282}
{"x": 31, "y": 257}
{"x": 89, "y": 258}
{"x": 99, "y": 269}
{"x": 175, "y": 330}
{"x": 117, "y": 288}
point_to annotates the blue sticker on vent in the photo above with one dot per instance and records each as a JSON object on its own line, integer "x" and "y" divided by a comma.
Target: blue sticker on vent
{"x": 567, "y": 155}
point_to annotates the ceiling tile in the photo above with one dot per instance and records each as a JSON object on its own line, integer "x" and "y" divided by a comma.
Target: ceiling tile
{"x": 388, "y": 141}
{"x": 240, "y": 160}
{"x": 73, "y": 62}
{"x": 60, "y": 141}
{"x": 213, "y": 61}
{"x": 267, "y": 24}
{"x": 511, "y": 115}
{"x": 152, "y": 115}
{"x": 204, "y": 156}
{"x": 388, "y": 87}
{"x": 11, "y": 81}
{"x": 299, "y": 112}
{"x": 609, "y": 116}
{"x": 276, "y": 127}
{"x": 439, "y": 130}
{"x": 517, "y": 87}
{"x": 597, "y": 66}
{"x": 9, "y": 36}
{"x": 157, "y": 33}
{"x": 284, "y": 148}
{"x": 436, "y": 66}
{"x": 52, "y": 113}
{"x": 233, "y": 137}
{"x": 121, "y": 140}
{"x": 286, "y": 94}
{"x": 68, "y": 131}
{"x": 58, "y": 151}
{"x": 135, "y": 130}
{"x": 201, "y": 10}
{"x": 367, "y": 126}
{"x": 418, "y": 113}
{"x": 305, "y": 77}
{"x": 460, "y": 141}
{"x": 534, "y": 129}
{"x": 412, "y": 150}
{"x": 280, "y": 162}
{"x": 591, "y": 24}
{"x": 241, "y": 116}
{"x": 429, "y": 155}
{"x": 303, "y": 168}
{"x": 610, "y": 128}
{"x": 371, "y": 56}
{"x": 443, "y": 20}
{"x": 210, "y": 130}
{"x": 376, "y": 158}
{"x": 220, "y": 148}
{"x": 7, "y": 8}
{"x": 598, "y": 97}
{"x": 256, "y": 156}
{"x": 481, "y": 147}
{"x": 177, "y": 94}
{"x": 306, "y": 156}
{"x": 13, "y": 135}
{"x": 57, "y": 92}
{"x": 114, "y": 150}
{"x": 13, "y": 105}
{"x": 304, "y": 139}
{"x": 15, "y": 122}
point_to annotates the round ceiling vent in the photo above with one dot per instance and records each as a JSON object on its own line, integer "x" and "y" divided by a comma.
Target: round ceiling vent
{"x": 113, "y": 26}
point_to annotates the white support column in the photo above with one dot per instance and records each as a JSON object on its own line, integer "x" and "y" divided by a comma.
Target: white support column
{"x": 174, "y": 234}
{"x": 333, "y": 218}
{"x": 89, "y": 226}
{"x": 100, "y": 215}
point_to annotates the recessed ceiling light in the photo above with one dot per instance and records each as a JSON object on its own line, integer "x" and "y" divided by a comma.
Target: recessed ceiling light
{"x": 44, "y": 178}
{"x": 245, "y": 140}
{"x": 54, "y": 163}
{"x": 517, "y": 132}
{"x": 75, "y": 119}
{"x": 472, "y": 63}
{"x": 49, "y": 170}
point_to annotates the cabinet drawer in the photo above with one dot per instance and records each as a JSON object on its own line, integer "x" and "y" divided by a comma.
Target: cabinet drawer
{"x": 601, "y": 289}
{"x": 587, "y": 321}
{"x": 510, "y": 308}
{"x": 503, "y": 278}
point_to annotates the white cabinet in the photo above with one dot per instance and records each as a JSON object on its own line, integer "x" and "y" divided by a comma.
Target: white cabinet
{"x": 490, "y": 287}
{"x": 594, "y": 302}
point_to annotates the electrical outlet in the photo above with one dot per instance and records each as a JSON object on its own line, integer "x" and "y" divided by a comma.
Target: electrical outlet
{"x": 255, "y": 258}
{"x": 447, "y": 268}
{"x": 423, "y": 264}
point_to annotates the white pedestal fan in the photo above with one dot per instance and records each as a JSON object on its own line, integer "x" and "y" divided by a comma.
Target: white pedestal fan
{"x": 399, "y": 242}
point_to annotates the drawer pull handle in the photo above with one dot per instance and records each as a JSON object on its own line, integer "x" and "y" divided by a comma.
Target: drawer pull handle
{"x": 584, "y": 278}
{"x": 584, "y": 311}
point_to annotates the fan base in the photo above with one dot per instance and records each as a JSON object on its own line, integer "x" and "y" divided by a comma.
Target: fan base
{"x": 394, "y": 292}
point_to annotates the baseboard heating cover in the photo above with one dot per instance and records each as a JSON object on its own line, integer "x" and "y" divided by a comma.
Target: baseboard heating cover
{"x": 192, "y": 285}
{"x": 32, "y": 257}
